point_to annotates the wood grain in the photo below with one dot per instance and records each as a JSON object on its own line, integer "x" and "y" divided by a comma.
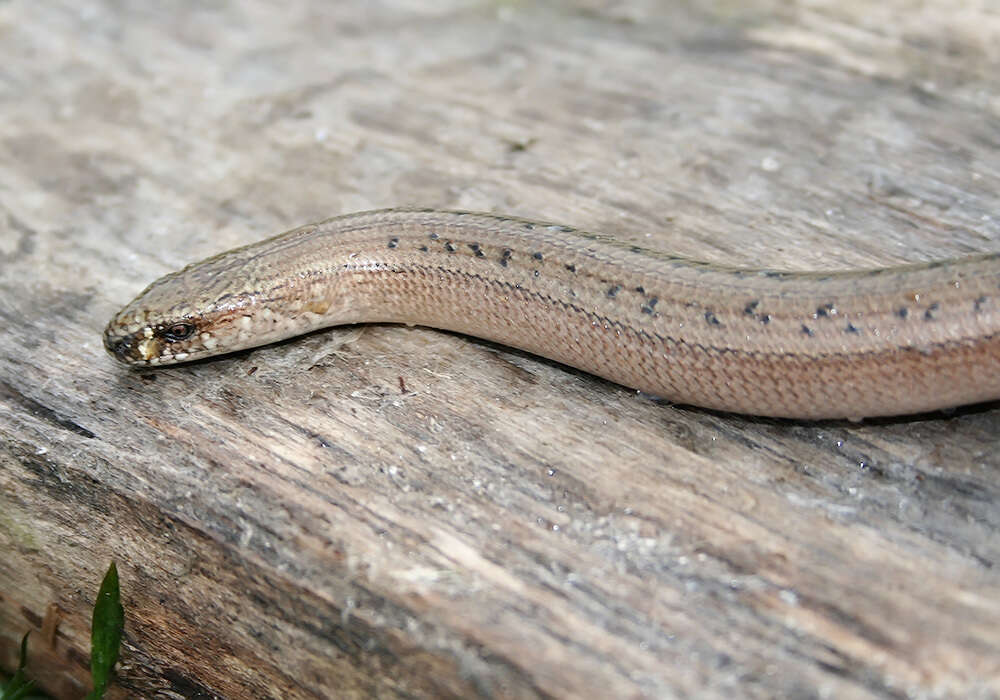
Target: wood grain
{"x": 395, "y": 512}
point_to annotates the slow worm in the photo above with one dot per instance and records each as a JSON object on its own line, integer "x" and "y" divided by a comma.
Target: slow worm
{"x": 810, "y": 345}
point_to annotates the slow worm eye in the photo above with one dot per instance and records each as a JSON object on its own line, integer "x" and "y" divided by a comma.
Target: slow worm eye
{"x": 178, "y": 331}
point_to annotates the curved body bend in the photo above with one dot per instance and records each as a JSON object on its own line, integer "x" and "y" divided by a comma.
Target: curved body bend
{"x": 810, "y": 345}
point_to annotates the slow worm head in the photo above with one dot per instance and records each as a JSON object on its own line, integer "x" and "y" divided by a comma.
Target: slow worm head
{"x": 886, "y": 341}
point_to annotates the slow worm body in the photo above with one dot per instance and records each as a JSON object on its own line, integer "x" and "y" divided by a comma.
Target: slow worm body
{"x": 852, "y": 344}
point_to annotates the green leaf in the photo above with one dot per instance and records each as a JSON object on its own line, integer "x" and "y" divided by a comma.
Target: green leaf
{"x": 105, "y": 633}
{"x": 19, "y": 685}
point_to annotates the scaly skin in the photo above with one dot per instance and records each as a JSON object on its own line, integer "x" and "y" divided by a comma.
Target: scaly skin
{"x": 888, "y": 341}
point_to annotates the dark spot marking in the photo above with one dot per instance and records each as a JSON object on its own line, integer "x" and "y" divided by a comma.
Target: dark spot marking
{"x": 536, "y": 256}
{"x": 902, "y": 312}
{"x": 978, "y": 304}
{"x": 566, "y": 229}
{"x": 636, "y": 249}
{"x": 434, "y": 236}
{"x": 640, "y": 290}
{"x": 851, "y": 328}
{"x": 751, "y": 310}
{"x": 474, "y": 247}
{"x": 931, "y": 313}
{"x": 825, "y": 311}
{"x": 613, "y": 290}
{"x": 571, "y": 267}
{"x": 537, "y": 273}
{"x": 423, "y": 249}
{"x": 775, "y": 274}
{"x": 450, "y": 247}
{"x": 806, "y": 330}
{"x": 393, "y": 242}
{"x": 507, "y": 253}
{"x": 480, "y": 254}
{"x": 712, "y": 319}
{"x": 649, "y": 306}
{"x": 503, "y": 262}
{"x": 529, "y": 226}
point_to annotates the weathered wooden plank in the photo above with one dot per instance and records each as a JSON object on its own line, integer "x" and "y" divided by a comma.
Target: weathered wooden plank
{"x": 406, "y": 513}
